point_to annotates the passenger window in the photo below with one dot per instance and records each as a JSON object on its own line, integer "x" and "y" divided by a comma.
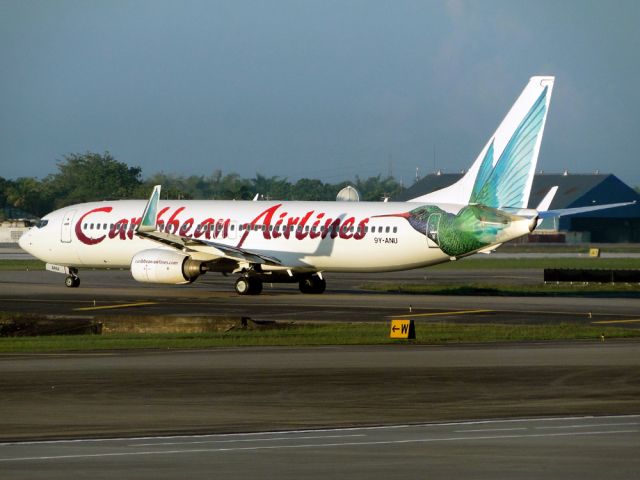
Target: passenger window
{"x": 379, "y": 229}
{"x": 387, "y": 230}
{"x": 85, "y": 226}
{"x": 395, "y": 229}
{"x": 91, "y": 227}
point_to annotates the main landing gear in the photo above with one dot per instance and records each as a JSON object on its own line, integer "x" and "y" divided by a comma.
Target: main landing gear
{"x": 252, "y": 284}
{"x": 248, "y": 285}
{"x": 312, "y": 284}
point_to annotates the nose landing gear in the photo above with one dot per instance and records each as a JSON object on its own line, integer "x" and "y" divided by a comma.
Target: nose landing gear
{"x": 72, "y": 281}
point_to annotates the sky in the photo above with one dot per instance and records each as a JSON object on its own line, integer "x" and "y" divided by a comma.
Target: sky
{"x": 320, "y": 89}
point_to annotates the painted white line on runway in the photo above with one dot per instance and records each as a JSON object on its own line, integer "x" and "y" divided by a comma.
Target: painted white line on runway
{"x": 275, "y": 439}
{"x": 311, "y": 430}
{"x": 490, "y": 430}
{"x": 311, "y": 445}
{"x": 590, "y": 425}
{"x": 520, "y": 420}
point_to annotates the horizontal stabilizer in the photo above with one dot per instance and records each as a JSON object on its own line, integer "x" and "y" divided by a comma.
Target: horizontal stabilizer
{"x": 561, "y": 212}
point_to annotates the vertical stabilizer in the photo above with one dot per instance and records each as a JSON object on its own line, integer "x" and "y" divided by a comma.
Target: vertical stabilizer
{"x": 502, "y": 174}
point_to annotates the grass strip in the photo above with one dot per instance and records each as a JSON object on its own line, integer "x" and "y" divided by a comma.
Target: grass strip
{"x": 494, "y": 262}
{"x": 568, "y": 248}
{"x": 15, "y": 265}
{"x": 616, "y": 290}
{"x": 317, "y": 334}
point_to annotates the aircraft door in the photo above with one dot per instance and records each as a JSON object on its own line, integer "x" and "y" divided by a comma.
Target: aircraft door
{"x": 433, "y": 222}
{"x": 67, "y": 223}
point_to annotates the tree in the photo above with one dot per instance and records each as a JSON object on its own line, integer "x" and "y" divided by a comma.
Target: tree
{"x": 276, "y": 188}
{"x": 375, "y": 189}
{"x": 4, "y": 186}
{"x": 311, "y": 189}
{"x": 29, "y": 195}
{"x": 92, "y": 176}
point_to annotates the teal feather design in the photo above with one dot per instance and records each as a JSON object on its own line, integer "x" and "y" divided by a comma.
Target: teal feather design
{"x": 505, "y": 184}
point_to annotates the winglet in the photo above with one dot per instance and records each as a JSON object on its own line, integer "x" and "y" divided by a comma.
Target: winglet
{"x": 148, "y": 220}
{"x": 546, "y": 201}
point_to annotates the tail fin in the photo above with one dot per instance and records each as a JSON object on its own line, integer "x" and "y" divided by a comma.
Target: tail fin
{"x": 503, "y": 173}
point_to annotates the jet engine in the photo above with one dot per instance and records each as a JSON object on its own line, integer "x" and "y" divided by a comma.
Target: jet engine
{"x": 165, "y": 266}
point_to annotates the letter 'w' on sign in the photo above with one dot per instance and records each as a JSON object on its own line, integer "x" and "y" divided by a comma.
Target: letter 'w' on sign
{"x": 402, "y": 329}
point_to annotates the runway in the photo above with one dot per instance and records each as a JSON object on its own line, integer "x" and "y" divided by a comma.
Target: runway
{"x": 570, "y": 447}
{"x": 273, "y": 412}
{"x": 231, "y": 390}
{"x": 116, "y": 293}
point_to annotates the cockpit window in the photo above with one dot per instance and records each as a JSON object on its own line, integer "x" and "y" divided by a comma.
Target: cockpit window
{"x": 42, "y": 223}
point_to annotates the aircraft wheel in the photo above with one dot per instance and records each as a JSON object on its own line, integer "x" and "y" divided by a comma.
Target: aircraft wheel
{"x": 248, "y": 286}
{"x": 242, "y": 286}
{"x": 255, "y": 286}
{"x": 313, "y": 284}
{"x": 72, "y": 281}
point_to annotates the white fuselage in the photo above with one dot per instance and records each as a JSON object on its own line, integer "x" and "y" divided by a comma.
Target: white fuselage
{"x": 303, "y": 236}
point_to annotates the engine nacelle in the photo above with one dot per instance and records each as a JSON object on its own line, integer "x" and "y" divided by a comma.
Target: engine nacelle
{"x": 165, "y": 266}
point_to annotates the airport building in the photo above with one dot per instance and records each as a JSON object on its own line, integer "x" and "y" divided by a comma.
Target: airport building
{"x": 12, "y": 230}
{"x": 616, "y": 225}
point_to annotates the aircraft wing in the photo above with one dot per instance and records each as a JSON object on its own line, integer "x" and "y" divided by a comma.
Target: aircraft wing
{"x": 215, "y": 250}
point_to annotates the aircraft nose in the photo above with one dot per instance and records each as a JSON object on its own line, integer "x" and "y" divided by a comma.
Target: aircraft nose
{"x": 24, "y": 241}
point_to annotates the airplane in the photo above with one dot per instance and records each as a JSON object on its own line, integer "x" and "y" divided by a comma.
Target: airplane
{"x": 176, "y": 241}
